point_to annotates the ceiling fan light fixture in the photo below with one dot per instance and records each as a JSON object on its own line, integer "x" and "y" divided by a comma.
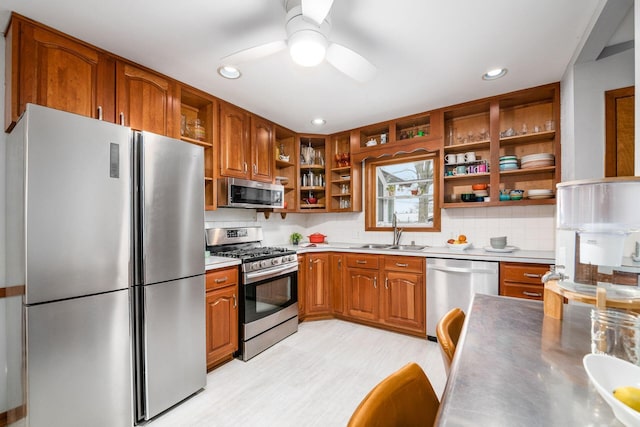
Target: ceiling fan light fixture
{"x": 496, "y": 73}
{"x": 307, "y": 47}
{"x": 229, "y": 72}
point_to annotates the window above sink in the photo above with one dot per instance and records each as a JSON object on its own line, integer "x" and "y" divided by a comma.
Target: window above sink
{"x": 405, "y": 186}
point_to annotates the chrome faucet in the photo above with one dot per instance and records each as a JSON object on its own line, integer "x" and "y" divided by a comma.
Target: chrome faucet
{"x": 397, "y": 232}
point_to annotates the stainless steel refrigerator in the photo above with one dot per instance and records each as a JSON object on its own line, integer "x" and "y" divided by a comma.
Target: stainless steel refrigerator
{"x": 105, "y": 233}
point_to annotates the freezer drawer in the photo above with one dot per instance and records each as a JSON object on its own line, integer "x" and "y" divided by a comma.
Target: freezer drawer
{"x": 173, "y": 344}
{"x": 79, "y": 362}
{"x": 452, "y": 283}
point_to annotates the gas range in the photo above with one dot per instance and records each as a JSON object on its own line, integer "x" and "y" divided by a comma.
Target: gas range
{"x": 245, "y": 243}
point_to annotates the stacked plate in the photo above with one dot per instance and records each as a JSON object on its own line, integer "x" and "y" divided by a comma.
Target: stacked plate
{"x": 537, "y": 160}
{"x": 539, "y": 194}
{"x": 508, "y": 163}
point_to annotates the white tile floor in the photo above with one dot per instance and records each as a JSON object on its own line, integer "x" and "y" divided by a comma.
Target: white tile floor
{"x": 315, "y": 377}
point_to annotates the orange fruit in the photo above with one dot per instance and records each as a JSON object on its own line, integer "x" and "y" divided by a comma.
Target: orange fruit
{"x": 462, "y": 238}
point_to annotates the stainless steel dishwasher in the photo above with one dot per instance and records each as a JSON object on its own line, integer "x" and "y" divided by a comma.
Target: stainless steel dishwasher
{"x": 453, "y": 282}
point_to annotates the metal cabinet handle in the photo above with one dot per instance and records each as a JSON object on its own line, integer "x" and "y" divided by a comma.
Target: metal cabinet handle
{"x": 255, "y": 168}
{"x": 235, "y": 301}
{"x": 533, "y": 276}
{"x": 99, "y": 112}
{"x": 402, "y": 265}
{"x": 121, "y": 118}
{"x": 222, "y": 279}
{"x": 339, "y": 263}
{"x": 359, "y": 261}
{"x": 375, "y": 282}
{"x": 386, "y": 283}
{"x": 532, "y": 294}
{"x": 244, "y": 167}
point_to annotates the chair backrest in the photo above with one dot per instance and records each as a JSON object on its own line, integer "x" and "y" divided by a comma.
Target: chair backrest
{"x": 405, "y": 398}
{"x": 448, "y": 333}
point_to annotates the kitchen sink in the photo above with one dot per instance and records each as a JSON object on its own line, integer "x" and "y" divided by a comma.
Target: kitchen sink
{"x": 373, "y": 246}
{"x": 407, "y": 247}
{"x": 394, "y": 247}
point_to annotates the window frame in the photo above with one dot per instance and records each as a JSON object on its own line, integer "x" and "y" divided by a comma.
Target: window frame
{"x": 371, "y": 190}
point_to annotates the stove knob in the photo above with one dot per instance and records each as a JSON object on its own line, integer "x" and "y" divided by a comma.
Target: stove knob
{"x": 264, "y": 263}
{"x": 275, "y": 261}
{"x": 255, "y": 266}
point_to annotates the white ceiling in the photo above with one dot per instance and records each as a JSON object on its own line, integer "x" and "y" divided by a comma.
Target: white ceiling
{"x": 429, "y": 54}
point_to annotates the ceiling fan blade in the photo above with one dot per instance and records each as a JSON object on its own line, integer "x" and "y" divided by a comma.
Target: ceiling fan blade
{"x": 316, "y": 10}
{"x": 350, "y": 63}
{"x": 255, "y": 52}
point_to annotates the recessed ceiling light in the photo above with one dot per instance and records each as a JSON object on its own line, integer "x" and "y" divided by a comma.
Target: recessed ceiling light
{"x": 229, "y": 72}
{"x": 318, "y": 122}
{"x": 496, "y": 73}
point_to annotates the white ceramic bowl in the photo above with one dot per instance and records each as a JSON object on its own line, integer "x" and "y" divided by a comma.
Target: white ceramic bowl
{"x": 608, "y": 373}
{"x": 459, "y": 246}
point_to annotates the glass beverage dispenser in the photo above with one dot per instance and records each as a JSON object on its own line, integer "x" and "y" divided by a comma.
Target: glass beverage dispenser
{"x": 597, "y": 240}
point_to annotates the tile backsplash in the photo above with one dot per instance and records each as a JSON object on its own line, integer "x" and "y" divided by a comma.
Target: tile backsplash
{"x": 527, "y": 227}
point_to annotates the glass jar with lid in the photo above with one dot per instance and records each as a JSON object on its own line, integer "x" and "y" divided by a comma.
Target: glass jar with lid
{"x": 197, "y": 131}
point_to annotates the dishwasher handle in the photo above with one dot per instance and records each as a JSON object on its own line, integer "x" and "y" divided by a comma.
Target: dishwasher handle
{"x": 460, "y": 270}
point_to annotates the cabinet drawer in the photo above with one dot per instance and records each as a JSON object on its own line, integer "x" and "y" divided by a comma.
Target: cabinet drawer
{"x": 522, "y": 272}
{"x": 216, "y": 279}
{"x": 362, "y": 260}
{"x": 404, "y": 263}
{"x": 522, "y": 291}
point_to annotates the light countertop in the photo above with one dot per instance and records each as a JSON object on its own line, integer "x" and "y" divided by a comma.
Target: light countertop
{"x": 475, "y": 254}
{"x": 215, "y": 262}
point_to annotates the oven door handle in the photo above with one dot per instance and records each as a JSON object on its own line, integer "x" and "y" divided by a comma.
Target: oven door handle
{"x": 256, "y": 276}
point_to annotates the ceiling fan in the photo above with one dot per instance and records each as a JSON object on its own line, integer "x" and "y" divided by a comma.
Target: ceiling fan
{"x": 308, "y": 26}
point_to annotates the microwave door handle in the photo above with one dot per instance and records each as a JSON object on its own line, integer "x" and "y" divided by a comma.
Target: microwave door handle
{"x": 269, "y": 273}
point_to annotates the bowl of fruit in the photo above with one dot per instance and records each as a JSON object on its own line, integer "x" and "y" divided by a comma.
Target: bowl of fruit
{"x": 458, "y": 244}
{"x": 618, "y": 382}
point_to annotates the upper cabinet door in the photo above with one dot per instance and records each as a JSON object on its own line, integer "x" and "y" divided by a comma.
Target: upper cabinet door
{"x": 235, "y": 147}
{"x": 262, "y": 157}
{"x": 48, "y": 69}
{"x": 144, "y": 100}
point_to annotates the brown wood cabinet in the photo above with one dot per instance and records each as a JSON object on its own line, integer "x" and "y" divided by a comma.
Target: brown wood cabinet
{"x": 362, "y": 298}
{"x": 235, "y": 146}
{"x": 318, "y": 284}
{"x": 337, "y": 278}
{"x": 403, "y": 295}
{"x": 387, "y": 291}
{"x": 262, "y": 149}
{"x": 198, "y": 106}
{"x": 519, "y": 124}
{"x": 246, "y": 145}
{"x": 222, "y": 315}
{"x": 302, "y": 286}
{"x": 522, "y": 280}
{"x": 48, "y": 68}
{"x": 144, "y": 99}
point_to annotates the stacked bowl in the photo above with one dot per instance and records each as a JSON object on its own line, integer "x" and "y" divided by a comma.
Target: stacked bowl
{"x": 539, "y": 194}
{"x": 508, "y": 163}
{"x": 540, "y": 160}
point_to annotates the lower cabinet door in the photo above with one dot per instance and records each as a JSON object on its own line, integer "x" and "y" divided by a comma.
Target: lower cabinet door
{"x": 403, "y": 300}
{"x": 222, "y": 324}
{"x": 362, "y": 295}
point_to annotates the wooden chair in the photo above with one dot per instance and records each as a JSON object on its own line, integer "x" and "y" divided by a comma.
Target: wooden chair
{"x": 448, "y": 333}
{"x": 405, "y": 398}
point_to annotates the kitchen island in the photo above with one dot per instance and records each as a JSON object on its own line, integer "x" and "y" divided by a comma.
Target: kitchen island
{"x": 516, "y": 367}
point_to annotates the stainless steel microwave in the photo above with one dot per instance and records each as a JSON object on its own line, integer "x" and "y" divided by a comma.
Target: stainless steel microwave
{"x": 242, "y": 193}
